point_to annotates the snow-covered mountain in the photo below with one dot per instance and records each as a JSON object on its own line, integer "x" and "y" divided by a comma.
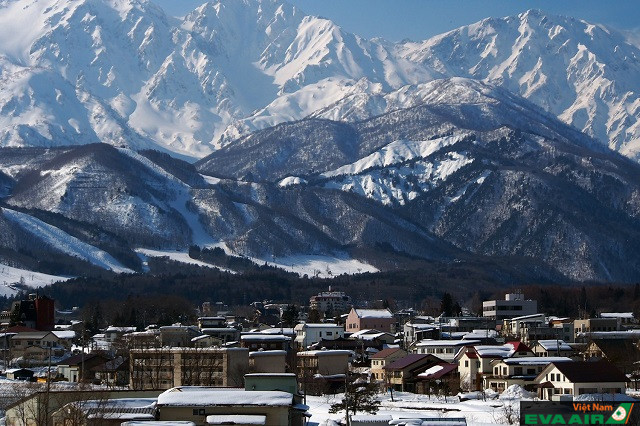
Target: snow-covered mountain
{"x": 481, "y": 168}
{"x": 475, "y": 174}
{"x": 124, "y": 73}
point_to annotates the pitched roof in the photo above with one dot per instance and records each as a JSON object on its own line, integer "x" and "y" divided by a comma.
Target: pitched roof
{"x": 616, "y": 350}
{"x": 373, "y": 313}
{"x": 408, "y": 360}
{"x": 79, "y": 358}
{"x": 586, "y": 372}
{"x": 437, "y": 371}
{"x": 520, "y": 347}
{"x": 385, "y": 353}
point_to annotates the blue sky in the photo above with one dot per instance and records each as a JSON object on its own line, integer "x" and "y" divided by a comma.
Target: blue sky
{"x": 419, "y": 19}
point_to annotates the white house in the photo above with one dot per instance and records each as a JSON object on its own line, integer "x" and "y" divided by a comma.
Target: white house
{"x": 308, "y": 334}
{"x": 520, "y": 371}
{"x": 567, "y": 380}
{"x": 474, "y": 362}
{"x": 552, "y": 348}
{"x": 446, "y": 350}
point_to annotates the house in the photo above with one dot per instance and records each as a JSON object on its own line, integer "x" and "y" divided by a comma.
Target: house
{"x": 572, "y": 379}
{"x": 112, "y": 373}
{"x": 553, "y": 348}
{"x": 105, "y": 412}
{"x": 513, "y": 305}
{"x": 308, "y": 333}
{"x": 264, "y": 341}
{"x": 268, "y": 361}
{"x": 402, "y": 374}
{"x": 520, "y": 371}
{"x": 142, "y": 339}
{"x": 373, "y": 338}
{"x": 383, "y": 358}
{"x": 442, "y": 378}
{"x": 178, "y": 336}
{"x": 363, "y": 319}
{"x": 164, "y": 368}
{"x": 212, "y": 322}
{"x": 474, "y": 362}
{"x": 211, "y": 406}
{"x": 513, "y": 327}
{"x": 36, "y": 346}
{"x": 623, "y": 353}
{"x": 446, "y": 350}
{"x": 113, "y": 333}
{"x": 222, "y": 334}
{"x": 414, "y": 332}
{"x": 35, "y": 406}
{"x": 77, "y": 368}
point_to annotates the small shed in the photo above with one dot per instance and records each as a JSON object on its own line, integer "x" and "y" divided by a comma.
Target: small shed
{"x": 20, "y": 374}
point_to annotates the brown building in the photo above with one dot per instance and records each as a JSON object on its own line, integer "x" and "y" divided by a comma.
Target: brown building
{"x": 382, "y": 359}
{"x": 623, "y": 353}
{"x": 165, "y": 368}
{"x": 402, "y": 374}
{"x": 322, "y": 371}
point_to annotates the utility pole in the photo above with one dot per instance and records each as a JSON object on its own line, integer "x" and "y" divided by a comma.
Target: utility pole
{"x": 46, "y": 412}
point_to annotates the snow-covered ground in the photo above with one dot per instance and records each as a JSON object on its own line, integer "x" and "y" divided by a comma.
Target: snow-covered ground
{"x": 9, "y": 276}
{"x": 178, "y": 256}
{"x": 408, "y": 405}
{"x": 64, "y": 242}
{"x": 322, "y": 266}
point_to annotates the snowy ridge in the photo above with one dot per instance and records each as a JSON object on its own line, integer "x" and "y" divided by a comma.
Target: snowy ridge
{"x": 394, "y": 153}
{"x": 193, "y": 85}
{"x": 64, "y": 242}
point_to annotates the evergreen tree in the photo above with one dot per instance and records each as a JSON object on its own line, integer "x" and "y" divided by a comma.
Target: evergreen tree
{"x": 446, "y": 305}
{"x": 290, "y": 316}
{"x": 359, "y": 396}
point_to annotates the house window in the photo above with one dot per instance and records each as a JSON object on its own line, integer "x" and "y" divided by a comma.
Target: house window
{"x": 466, "y": 363}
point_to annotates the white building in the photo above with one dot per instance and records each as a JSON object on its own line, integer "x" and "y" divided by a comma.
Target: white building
{"x": 513, "y": 305}
{"x": 446, "y": 350}
{"x": 308, "y": 334}
{"x": 567, "y": 380}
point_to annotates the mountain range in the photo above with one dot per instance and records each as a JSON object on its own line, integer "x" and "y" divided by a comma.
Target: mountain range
{"x": 249, "y": 126}
{"x": 124, "y": 73}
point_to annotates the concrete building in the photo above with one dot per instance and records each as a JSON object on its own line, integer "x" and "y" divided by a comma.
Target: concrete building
{"x": 308, "y": 334}
{"x": 366, "y": 319}
{"x": 165, "y": 368}
{"x": 333, "y": 302}
{"x": 211, "y": 406}
{"x": 583, "y": 328}
{"x": 268, "y": 361}
{"x": 513, "y": 305}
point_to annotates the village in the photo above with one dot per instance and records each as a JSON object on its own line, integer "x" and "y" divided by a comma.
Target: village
{"x": 291, "y": 365}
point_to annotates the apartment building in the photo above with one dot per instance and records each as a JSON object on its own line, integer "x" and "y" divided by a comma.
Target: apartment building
{"x": 164, "y": 368}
